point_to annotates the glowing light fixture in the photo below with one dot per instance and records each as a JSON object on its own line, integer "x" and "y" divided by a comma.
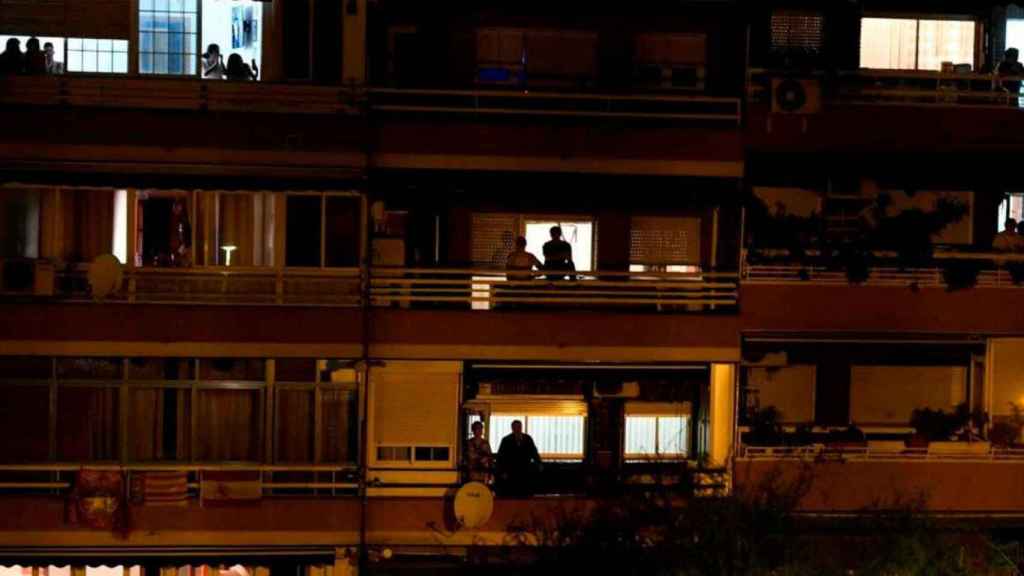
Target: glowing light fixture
{"x": 228, "y": 249}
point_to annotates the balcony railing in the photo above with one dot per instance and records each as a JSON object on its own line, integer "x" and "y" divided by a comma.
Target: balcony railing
{"x": 489, "y": 289}
{"x": 534, "y": 103}
{"x": 175, "y": 94}
{"x": 317, "y": 480}
{"x": 893, "y": 87}
{"x": 993, "y": 272}
{"x": 884, "y": 450}
{"x": 234, "y": 285}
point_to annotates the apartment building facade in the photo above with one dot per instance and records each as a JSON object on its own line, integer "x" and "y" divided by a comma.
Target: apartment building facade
{"x": 252, "y": 322}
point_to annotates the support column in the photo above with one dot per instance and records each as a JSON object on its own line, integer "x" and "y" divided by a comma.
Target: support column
{"x": 353, "y": 40}
{"x": 723, "y": 413}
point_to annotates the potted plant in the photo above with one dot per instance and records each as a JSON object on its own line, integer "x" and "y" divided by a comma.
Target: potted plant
{"x": 1006, "y": 433}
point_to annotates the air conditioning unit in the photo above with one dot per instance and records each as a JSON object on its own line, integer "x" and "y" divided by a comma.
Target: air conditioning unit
{"x": 796, "y": 96}
{"x": 617, "y": 390}
{"x": 25, "y": 276}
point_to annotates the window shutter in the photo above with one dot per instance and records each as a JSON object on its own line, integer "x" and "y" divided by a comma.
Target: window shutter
{"x": 493, "y": 237}
{"x": 792, "y": 30}
{"x": 662, "y": 241}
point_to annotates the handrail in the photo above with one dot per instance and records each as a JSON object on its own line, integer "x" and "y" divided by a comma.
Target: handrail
{"x": 487, "y": 288}
{"x": 979, "y": 451}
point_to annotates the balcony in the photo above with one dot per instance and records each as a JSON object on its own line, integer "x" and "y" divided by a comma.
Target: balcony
{"x": 975, "y": 479}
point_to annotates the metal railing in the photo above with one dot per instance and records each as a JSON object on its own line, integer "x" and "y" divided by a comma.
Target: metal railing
{"x": 176, "y": 94}
{"x": 323, "y": 480}
{"x": 993, "y": 274}
{"x": 487, "y": 289}
{"x": 885, "y": 451}
{"x": 229, "y": 285}
{"x": 894, "y": 87}
{"x": 541, "y": 103}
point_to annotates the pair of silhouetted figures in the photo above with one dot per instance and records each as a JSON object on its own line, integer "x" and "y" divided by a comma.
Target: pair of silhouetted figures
{"x": 236, "y": 69}
{"x": 557, "y": 257}
{"x": 518, "y": 462}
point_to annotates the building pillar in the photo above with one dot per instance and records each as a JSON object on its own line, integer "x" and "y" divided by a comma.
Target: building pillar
{"x": 353, "y": 35}
{"x": 723, "y": 414}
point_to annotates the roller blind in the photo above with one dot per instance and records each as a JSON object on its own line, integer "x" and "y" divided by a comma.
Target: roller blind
{"x": 493, "y": 236}
{"x": 414, "y": 407}
{"x": 794, "y": 30}
{"x": 660, "y": 240}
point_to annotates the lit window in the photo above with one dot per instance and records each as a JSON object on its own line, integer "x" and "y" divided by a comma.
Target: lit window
{"x": 655, "y": 437}
{"x": 102, "y": 55}
{"x": 168, "y": 31}
{"x": 912, "y": 44}
{"x": 557, "y": 437}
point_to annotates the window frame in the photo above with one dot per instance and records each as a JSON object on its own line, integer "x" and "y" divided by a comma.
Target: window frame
{"x": 918, "y": 18}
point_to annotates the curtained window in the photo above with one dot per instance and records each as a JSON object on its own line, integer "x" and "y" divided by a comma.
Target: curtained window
{"x": 316, "y": 404}
{"x": 323, "y": 230}
{"x": 159, "y": 404}
{"x": 245, "y": 221}
{"x": 915, "y": 44}
{"x": 88, "y": 408}
{"x": 88, "y": 218}
{"x": 229, "y": 409}
{"x": 25, "y": 408}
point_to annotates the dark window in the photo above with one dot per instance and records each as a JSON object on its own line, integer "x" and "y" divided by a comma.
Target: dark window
{"x": 795, "y": 31}
{"x": 302, "y": 246}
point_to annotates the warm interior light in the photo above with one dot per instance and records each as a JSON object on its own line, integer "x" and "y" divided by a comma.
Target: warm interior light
{"x": 228, "y": 249}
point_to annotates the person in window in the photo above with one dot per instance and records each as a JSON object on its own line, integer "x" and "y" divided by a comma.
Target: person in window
{"x": 12, "y": 60}
{"x": 518, "y": 463}
{"x": 1011, "y": 66}
{"x": 213, "y": 63}
{"x": 520, "y": 259}
{"x": 557, "y": 254}
{"x": 479, "y": 458}
{"x": 1007, "y": 240}
{"x": 52, "y": 65}
{"x": 35, "y": 60}
{"x": 239, "y": 70}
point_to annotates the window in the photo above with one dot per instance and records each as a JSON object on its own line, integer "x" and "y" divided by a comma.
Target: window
{"x": 655, "y": 437}
{"x": 557, "y": 437}
{"x": 58, "y": 47}
{"x": 664, "y": 243}
{"x": 102, "y": 55}
{"x": 322, "y": 230}
{"x": 1011, "y": 207}
{"x": 913, "y": 44}
{"x": 168, "y": 34}
{"x": 235, "y": 27}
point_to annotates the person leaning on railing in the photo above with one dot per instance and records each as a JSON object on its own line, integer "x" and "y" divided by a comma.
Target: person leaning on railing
{"x": 1011, "y": 66}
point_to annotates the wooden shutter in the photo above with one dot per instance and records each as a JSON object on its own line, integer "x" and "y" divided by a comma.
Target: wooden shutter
{"x": 664, "y": 240}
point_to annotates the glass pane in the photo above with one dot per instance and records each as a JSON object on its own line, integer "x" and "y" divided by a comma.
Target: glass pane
{"x": 295, "y": 425}
{"x": 145, "y": 5}
{"x": 641, "y": 435}
{"x": 74, "y": 43}
{"x": 103, "y": 62}
{"x": 888, "y": 43}
{"x": 175, "y": 43}
{"x": 89, "y": 62}
{"x": 338, "y": 425}
{"x": 146, "y": 63}
{"x": 160, "y": 4}
{"x": 302, "y": 246}
{"x": 105, "y": 44}
{"x": 944, "y": 41}
{"x": 109, "y": 369}
{"x": 501, "y": 426}
{"x": 146, "y": 23}
{"x": 146, "y": 42}
{"x": 87, "y": 422}
{"x": 341, "y": 224}
{"x": 557, "y": 435}
{"x": 159, "y": 424}
{"x": 672, "y": 435}
{"x": 160, "y": 42}
{"x": 120, "y": 46}
{"x": 89, "y": 43}
{"x": 190, "y": 5}
{"x": 229, "y": 425}
{"x": 176, "y": 5}
{"x": 120, "y": 63}
{"x": 25, "y": 415}
{"x": 160, "y": 63}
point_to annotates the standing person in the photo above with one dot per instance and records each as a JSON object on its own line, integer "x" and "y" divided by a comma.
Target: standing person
{"x": 52, "y": 65}
{"x": 557, "y": 254}
{"x": 213, "y": 63}
{"x": 35, "y": 60}
{"x": 1006, "y": 241}
{"x": 479, "y": 457}
{"x": 518, "y": 463}
{"x": 11, "y": 61}
{"x": 1011, "y": 66}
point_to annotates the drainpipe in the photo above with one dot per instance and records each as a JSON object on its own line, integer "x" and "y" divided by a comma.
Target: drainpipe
{"x": 364, "y": 368}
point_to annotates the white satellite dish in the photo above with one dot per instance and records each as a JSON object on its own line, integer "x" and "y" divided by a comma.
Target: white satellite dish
{"x": 474, "y": 504}
{"x": 105, "y": 276}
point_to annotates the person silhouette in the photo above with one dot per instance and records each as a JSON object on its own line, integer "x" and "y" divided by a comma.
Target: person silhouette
{"x": 557, "y": 254}
{"x": 11, "y": 60}
{"x": 518, "y": 462}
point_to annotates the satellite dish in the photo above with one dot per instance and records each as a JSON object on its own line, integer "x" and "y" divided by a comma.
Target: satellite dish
{"x": 474, "y": 504}
{"x": 105, "y": 276}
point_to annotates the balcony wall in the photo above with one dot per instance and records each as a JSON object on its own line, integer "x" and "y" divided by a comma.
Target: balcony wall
{"x": 989, "y": 486}
{"x": 809, "y": 307}
{"x": 40, "y": 521}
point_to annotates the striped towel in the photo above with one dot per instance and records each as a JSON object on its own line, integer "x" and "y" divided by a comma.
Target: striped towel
{"x": 160, "y": 488}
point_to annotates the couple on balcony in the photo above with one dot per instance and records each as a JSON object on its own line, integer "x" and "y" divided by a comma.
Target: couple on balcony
{"x": 557, "y": 257}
